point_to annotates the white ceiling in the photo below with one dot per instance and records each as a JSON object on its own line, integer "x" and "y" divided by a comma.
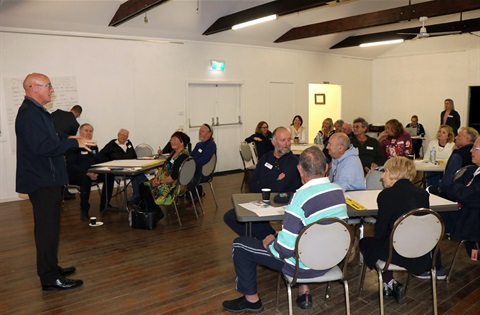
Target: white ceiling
{"x": 186, "y": 20}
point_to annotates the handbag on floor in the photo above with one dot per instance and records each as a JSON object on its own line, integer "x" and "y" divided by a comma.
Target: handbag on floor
{"x": 142, "y": 218}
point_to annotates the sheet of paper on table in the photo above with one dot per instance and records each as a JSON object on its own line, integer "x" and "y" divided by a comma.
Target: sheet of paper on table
{"x": 263, "y": 209}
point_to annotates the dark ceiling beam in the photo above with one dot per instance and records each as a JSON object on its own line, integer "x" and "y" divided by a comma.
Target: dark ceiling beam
{"x": 409, "y": 12}
{"x": 279, "y": 7}
{"x": 132, "y": 8}
{"x": 465, "y": 26}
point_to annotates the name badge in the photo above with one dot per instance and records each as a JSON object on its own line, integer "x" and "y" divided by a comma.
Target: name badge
{"x": 268, "y": 165}
{"x": 369, "y": 148}
{"x": 200, "y": 150}
{"x": 400, "y": 142}
{"x": 451, "y": 116}
{"x": 129, "y": 146}
{"x": 84, "y": 152}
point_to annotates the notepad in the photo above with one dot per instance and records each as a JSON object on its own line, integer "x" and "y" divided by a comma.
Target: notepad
{"x": 355, "y": 205}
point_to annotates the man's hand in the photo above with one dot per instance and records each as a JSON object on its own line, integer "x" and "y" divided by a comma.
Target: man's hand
{"x": 93, "y": 176}
{"x": 281, "y": 176}
{"x": 84, "y": 143}
{"x": 267, "y": 240}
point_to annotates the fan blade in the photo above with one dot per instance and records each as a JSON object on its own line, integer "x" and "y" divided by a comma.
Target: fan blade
{"x": 413, "y": 34}
{"x": 444, "y": 33}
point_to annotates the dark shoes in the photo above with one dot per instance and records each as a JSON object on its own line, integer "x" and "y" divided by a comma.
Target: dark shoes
{"x": 62, "y": 283}
{"x": 84, "y": 216}
{"x": 66, "y": 271}
{"x": 398, "y": 292}
{"x": 242, "y": 305}
{"x": 304, "y": 301}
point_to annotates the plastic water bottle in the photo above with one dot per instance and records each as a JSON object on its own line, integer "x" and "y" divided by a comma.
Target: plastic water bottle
{"x": 433, "y": 156}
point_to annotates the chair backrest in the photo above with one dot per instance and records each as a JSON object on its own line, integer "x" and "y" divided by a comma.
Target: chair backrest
{"x": 246, "y": 155}
{"x": 323, "y": 244}
{"x": 187, "y": 171}
{"x": 373, "y": 179}
{"x": 209, "y": 168}
{"x": 143, "y": 150}
{"x": 416, "y": 233}
{"x": 460, "y": 172}
{"x": 253, "y": 149}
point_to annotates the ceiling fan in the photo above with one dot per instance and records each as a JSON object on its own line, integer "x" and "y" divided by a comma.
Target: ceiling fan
{"x": 423, "y": 31}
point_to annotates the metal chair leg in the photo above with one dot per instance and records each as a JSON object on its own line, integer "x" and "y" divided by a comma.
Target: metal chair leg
{"x": 453, "y": 260}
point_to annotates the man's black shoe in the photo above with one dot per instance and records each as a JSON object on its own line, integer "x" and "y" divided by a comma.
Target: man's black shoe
{"x": 304, "y": 301}
{"x": 66, "y": 271}
{"x": 387, "y": 293}
{"x": 242, "y": 305}
{"x": 62, "y": 283}
{"x": 398, "y": 292}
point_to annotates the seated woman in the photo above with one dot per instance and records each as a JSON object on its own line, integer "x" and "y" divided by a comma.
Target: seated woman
{"x": 394, "y": 141}
{"x": 327, "y": 130}
{"x": 299, "y": 133}
{"x": 399, "y": 197}
{"x": 162, "y": 189}
{"x": 417, "y": 143}
{"x": 262, "y": 138}
{"x": 443, "y": 146}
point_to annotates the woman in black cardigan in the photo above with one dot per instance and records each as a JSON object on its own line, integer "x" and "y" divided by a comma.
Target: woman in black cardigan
{"x": 262, "y": 138}
{"x": 399, "y": 197}
{"x": 450, "y": 116}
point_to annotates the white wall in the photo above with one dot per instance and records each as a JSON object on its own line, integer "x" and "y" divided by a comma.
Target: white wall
{"x": 141, "y": 86}
{"x": 419, "y": 84}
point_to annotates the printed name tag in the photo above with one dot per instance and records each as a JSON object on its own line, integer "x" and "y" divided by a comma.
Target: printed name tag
{"x": 200, "y": 150}
{"x": 400, "y": 142}
{"x": 450, "y": 116}
{"x": 84, "y": 152}
{"x": 369, "y": 148}
{"x": 129, "y": 146}
{"x": 268, "y": 165}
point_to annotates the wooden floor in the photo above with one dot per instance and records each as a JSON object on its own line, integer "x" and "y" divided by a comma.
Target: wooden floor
{"x": 182, "y": 270}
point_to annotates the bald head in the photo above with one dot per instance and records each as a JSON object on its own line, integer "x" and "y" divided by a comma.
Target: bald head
{"x": 38, "y": 87}
{"x": 338, "y": 144}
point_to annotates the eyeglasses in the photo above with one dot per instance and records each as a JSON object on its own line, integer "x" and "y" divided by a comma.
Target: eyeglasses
{"x": 48, "y": 86}
{"x": 475, "y": 148}
{"x": 264, "y": 127}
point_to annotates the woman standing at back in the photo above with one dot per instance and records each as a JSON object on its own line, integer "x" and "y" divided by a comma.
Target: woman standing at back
{"x": 450, "y": 116}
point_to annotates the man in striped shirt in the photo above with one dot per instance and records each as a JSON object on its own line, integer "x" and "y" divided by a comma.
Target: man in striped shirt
{"x": 318, "y": 198}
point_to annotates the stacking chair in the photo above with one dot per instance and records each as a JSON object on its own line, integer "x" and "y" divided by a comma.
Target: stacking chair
{"x": 143, "y": 150}
{"x": 373, "y": 179}
{"x": 75, "y": 189}
{"x": 207, "y": 171}
{"x": 186, "y": 173}
{"x": 414, "y": 234}
{"x": 332, "y": 238}
{"x": 253, "y": 148}
{"x": 248, "y": 162}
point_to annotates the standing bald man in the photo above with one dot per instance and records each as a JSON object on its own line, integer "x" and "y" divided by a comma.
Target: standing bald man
{"x": 41, "y": 173}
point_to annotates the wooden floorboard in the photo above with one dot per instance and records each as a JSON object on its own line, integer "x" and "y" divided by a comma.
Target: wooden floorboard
{"x": 183, "y": 270}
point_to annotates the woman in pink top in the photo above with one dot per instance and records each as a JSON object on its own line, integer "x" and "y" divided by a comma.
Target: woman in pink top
{"x": 394, "y": 141}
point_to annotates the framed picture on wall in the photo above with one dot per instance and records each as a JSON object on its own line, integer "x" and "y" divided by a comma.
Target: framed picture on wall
{"x": 320, "y": 99}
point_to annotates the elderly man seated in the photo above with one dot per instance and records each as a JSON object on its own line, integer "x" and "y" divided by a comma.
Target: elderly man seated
{"x": 346, "y": 168}
{"x": 78, "y": 162}
{"x": 369, "y": 149}
{"x": 118, "y": 149}
{"x": 307, "y": 206}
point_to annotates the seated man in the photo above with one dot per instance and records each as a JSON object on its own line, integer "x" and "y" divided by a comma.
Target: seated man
{"x": 276, "y": 170}
{"x": 78, "y": 162}
{"x": 369, "y": 149}
{"x": 460, "y": 157}
{"x": 118, "y": 149}
{"x": 202, "y": 154}
{"x": 465, "y": 223}
{"x": 307, "y": 206}
{"x": 346, "y": 169}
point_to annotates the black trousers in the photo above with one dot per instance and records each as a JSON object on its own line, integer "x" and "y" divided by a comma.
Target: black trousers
{"x": 47, "y": 205}
{"x": 85, "y": 184}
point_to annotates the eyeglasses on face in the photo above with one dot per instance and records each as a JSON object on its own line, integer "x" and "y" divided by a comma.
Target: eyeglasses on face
{"x": 475, "y": 148}
{"x": 48, "y": 86}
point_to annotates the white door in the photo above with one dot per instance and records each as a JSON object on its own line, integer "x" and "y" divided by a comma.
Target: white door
{"x": 219, "y": 105}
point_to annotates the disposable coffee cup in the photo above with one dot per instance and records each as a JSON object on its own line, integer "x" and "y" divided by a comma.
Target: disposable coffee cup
{"x": 93, "y": 220}
{"x": 266, "y": 194}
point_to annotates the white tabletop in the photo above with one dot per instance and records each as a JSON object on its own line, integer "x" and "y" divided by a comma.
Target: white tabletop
{"x": 130, "y": 163}
{"x": 426, "y": 166}
{"x": 299, "y": 148}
